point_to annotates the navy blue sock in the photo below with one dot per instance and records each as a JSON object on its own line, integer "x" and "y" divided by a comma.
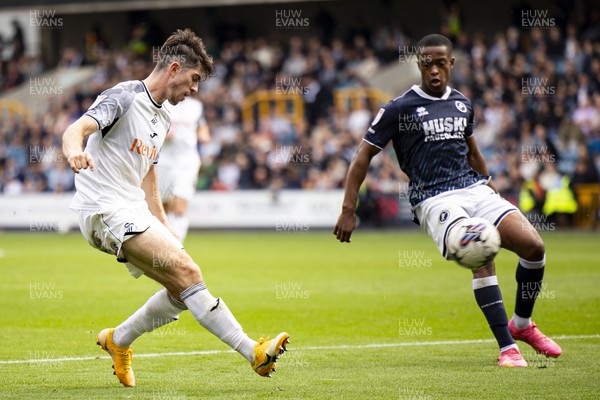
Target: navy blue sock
{"x": 529, "y": 284}
{"x": 489, "y": 299}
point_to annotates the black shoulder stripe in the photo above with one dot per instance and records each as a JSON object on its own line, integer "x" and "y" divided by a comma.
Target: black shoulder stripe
{"x": 109, "y": 127}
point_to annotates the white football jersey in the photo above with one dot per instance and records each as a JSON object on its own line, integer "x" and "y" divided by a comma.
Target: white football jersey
{"x": 186, "y": 117}
{"x": 131, "y": 131}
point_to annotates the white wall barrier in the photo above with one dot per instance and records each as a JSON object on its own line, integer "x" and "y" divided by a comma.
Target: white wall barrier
{"x": 286, "y": 210}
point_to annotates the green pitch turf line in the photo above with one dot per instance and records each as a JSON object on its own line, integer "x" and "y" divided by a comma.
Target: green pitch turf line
{"x": 340, "y": 347}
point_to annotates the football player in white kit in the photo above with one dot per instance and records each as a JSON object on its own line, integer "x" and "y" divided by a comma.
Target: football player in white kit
{"x": 121, "y": 213}
{"x": 180, "y": 161}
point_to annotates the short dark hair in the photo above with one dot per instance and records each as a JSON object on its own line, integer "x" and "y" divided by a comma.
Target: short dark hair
{"x": 187, "y": 48}
{"x": 434, "y": 40}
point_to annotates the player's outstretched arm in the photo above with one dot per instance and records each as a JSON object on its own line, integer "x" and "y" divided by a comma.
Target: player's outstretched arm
{"x": 356, "y": 175}
{"x": 476, "y": 160}
{"x": 73, "y": 143}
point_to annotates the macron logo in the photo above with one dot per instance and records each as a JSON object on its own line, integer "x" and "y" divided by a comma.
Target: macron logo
{"x": 143, "y": 149}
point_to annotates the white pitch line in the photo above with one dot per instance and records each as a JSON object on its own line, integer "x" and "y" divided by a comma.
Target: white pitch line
{"x": 338, "y": 347}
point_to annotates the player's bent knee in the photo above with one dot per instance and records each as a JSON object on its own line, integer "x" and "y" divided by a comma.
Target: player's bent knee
{"x": 535, "y": 249}
{"x": 188, "y": 275}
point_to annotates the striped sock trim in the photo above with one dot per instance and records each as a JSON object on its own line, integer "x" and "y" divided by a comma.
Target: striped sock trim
{"x": 510, "y": 346}
{"x": 533, "y": 264}
{"x": 480, "y": 283}
{"x": 192, "y": 290}
{"x": 179, "y": 304}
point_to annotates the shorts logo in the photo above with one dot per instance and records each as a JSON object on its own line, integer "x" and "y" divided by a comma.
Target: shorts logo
{"x": 129, "y": 227}
{"x": 443, "y": 216}
{"x": 460, "y": 106}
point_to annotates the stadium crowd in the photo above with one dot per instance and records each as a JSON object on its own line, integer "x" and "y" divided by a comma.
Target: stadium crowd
{"x": 535, "y": 91}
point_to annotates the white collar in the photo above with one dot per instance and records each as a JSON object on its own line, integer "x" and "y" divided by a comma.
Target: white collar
{"x": 421, "y": 93}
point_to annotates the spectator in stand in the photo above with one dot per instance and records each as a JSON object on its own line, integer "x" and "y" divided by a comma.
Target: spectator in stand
{"x": 490, "y": 70}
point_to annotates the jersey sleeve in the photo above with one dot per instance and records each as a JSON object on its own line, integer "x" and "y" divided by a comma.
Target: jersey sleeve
{"x": 111, "y": 105}
{"x": 384, "y": 126}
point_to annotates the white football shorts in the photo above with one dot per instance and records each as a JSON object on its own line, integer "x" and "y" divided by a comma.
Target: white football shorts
{"x": 439, "y": 213}
{"x": 107, "y": 231}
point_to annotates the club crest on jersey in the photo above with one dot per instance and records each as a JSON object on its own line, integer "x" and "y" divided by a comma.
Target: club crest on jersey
{"x": 460, "y": 106}
{"x": 378, "y": 116}
{"x": 142, "y": 149}
{"x": 422, "y": 111}
{"x": 154, "y": 119}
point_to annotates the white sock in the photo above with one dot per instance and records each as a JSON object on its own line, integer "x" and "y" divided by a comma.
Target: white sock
{"x": 520, "y": 322}
{"x": 159, "y": 310}
{"x": 181, "y": 224}
{"x": 510, "y": 346}
{"x": 216, "y": 318}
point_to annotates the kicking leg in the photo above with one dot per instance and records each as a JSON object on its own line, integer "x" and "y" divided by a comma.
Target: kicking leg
{"x": 160, "y": 309}
{"x": 489, "y": 298}
{"x": 184, "y": 281}
{"x": 520, "y": 237}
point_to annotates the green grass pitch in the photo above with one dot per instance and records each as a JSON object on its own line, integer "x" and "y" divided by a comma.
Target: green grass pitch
{"x": 382, "y": 318}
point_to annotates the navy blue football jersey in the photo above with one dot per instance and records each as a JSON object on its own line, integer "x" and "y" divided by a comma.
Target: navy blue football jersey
{"x": 428, "y": 134}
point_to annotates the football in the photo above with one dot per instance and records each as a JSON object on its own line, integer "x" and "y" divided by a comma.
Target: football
{"x": 473, "y": 242}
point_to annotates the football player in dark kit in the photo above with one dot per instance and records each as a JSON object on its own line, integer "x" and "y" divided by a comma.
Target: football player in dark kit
{"x": 431, "y": 129}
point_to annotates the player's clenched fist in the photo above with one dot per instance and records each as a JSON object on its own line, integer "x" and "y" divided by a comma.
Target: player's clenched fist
{"x": 80, "y": 161}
